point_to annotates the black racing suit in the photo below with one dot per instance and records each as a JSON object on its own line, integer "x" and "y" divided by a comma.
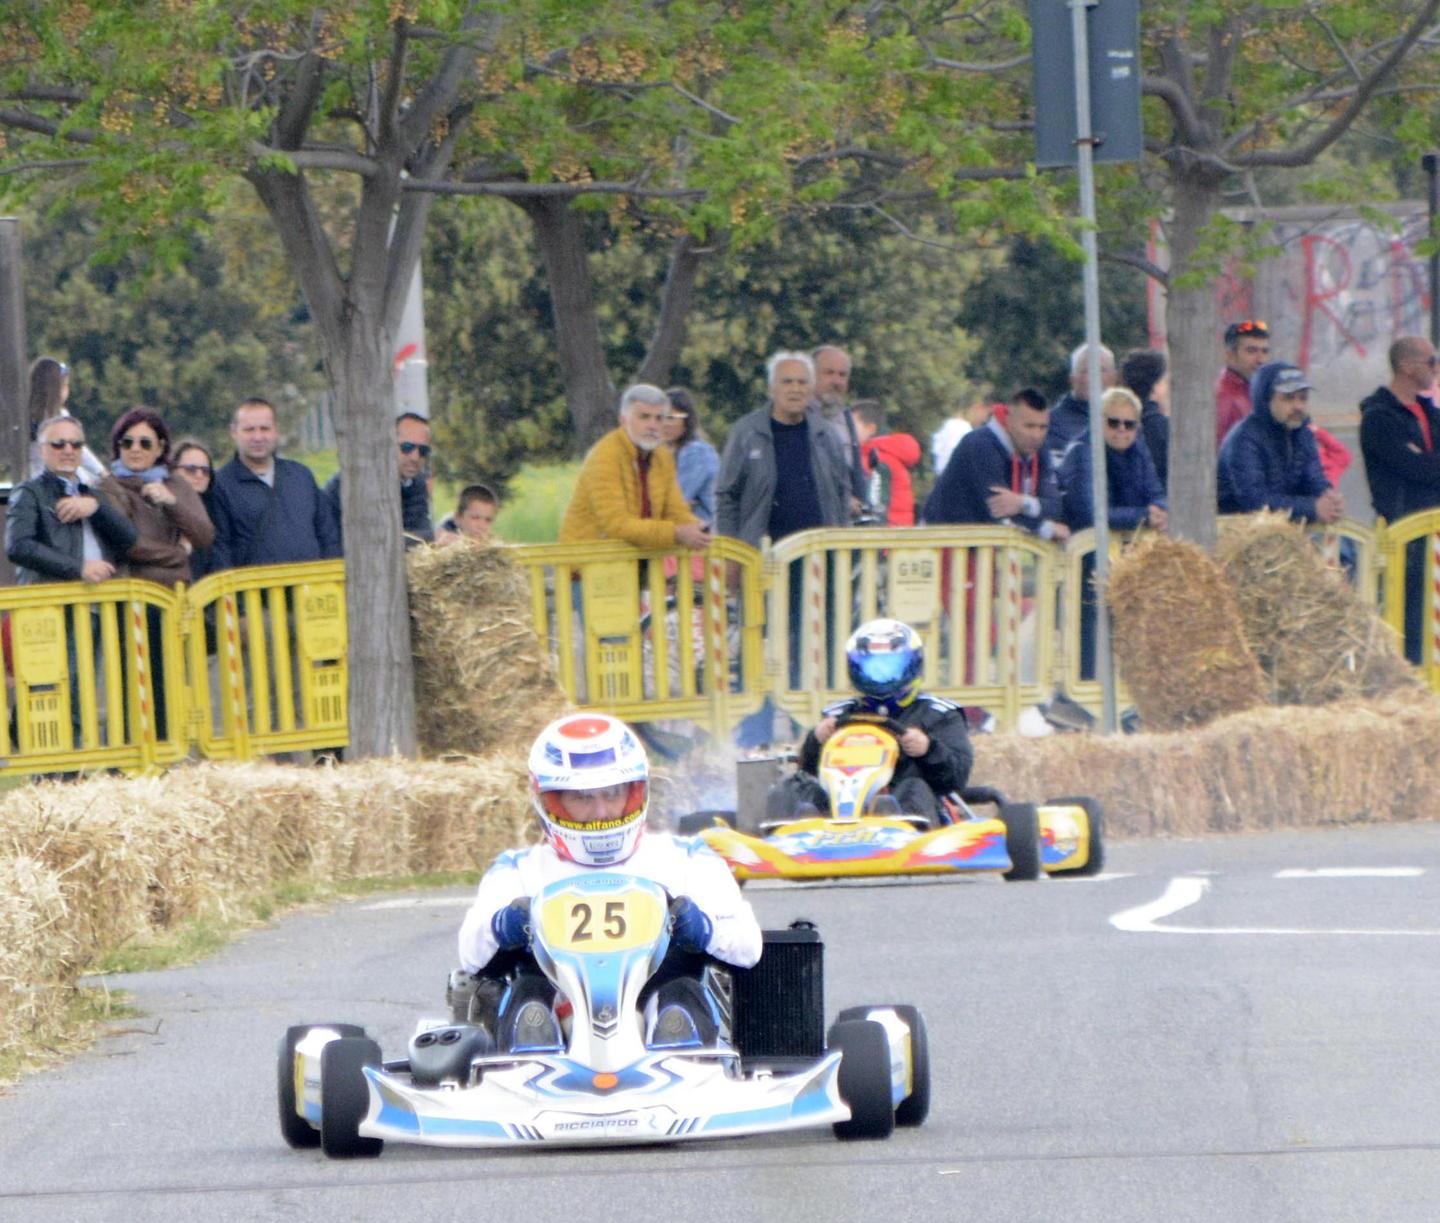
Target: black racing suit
{"x": 917, "y": 780}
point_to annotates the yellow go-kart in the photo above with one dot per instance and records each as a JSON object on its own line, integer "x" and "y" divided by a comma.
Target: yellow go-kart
{"x": 866, "y": 833}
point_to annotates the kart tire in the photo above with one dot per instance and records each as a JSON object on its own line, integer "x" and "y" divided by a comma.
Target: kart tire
{"x": 1095, "y": 861}
{"x": 864, "y": 1078}
{"x": 345, "y": 1097}
{"x": 1022, "y": 840}
{"x": 915, "y": 1107}
{"x": 294, "y": 1128}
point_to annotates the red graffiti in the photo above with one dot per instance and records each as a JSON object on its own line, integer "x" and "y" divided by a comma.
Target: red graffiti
{"x": 1323, "y": 282}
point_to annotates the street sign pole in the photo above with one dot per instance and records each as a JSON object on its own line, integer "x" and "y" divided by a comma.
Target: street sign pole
{"x": 14, "y": 428}
{"x": 1099, "y": 490}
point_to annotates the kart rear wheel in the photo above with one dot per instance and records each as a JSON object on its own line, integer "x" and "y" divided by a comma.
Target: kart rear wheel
{"x": 915, "y": 1107}
{"x": 864, "y": 1078}
{"x": 345, "y": 1097}
{"x": 1022, "y": 840}
{"x": 294, "y": 1128}
{"x": 1095, "y": 862}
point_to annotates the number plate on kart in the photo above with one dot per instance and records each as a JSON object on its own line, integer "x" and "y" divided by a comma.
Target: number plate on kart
{"x": 589, "y": 920}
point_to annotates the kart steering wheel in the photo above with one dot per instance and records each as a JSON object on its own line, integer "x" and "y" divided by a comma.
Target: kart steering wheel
{"x": 858, "y": 718}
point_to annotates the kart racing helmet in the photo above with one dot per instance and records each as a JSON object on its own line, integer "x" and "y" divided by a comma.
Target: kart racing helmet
{"x": 886, "y": 659}
{"x": 589, "y": 751}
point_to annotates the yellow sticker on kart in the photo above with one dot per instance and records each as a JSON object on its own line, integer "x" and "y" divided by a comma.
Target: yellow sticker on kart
{"x": 854, "y": 747}
{"x": 589, "y": 921}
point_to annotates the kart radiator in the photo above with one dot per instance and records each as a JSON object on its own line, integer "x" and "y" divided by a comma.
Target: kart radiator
{"x": 780, "y": 1003}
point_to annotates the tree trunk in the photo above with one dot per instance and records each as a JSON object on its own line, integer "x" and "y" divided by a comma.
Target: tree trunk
{"x": 676, "y": 299}
{"x": 382, "y": 673}
{"x": 358, "y": 346}
{"x": 1192, "y": 330}
{"x": 592, "y": 396}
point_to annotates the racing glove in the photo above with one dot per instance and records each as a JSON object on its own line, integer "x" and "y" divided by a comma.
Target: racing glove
{"x": 511, "y": 925}
{"x": 690, "y": 929}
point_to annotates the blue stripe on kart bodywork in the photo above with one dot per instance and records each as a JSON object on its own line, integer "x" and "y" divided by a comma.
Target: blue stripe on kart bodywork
{"x": 814, "y": 1100}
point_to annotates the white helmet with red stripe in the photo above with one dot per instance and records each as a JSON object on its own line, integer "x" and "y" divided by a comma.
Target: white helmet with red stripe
{"x": 590, "y": 751}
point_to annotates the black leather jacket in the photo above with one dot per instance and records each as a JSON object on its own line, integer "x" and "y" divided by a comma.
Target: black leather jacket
{"x": 945, "y": 767}
{"x": 44, "y": 549}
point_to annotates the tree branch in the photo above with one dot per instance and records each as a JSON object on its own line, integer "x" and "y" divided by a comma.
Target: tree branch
{"x": 28, "y": 121}
{"x": 1149, "y": 267}
{"x": 320, "y": 159}
{"x": 439, "y": 95}
{"x": 1306, "y": 152}
{"x": 292, "y": 120}
{"x": 25, "y": 167}
{"x": 675, "y": 300}
{"x": 522, "y": 191}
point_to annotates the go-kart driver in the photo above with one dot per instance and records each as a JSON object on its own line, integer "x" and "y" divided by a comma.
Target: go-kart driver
{"x": 590, "y": 783}
{"x": 886, "y": 659}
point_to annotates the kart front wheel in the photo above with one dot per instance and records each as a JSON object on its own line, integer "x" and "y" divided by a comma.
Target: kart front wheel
{"x": 1095, "y": 817}
{"x": 293, "y": 1127}
{"x": 915, "y": 1107}
{"x": 345, "y": 1097}
{"x": 1022, "y": 839}
{"x": 864, "y": 1078}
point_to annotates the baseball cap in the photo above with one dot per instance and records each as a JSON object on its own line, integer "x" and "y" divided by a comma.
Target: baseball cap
{"x": 1289, "y": 380}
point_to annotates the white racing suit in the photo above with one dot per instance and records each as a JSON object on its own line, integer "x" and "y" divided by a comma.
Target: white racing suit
{"x": 683, "y": 866}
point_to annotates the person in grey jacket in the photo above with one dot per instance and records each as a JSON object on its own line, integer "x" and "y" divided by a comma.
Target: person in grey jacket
{"x": 57, "y": 529}
{"x": 783, "y": 469}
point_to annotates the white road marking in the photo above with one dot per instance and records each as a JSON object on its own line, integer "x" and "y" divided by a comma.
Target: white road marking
{"x": 1352, "y": 872}
{"x": 1186, "y": 890}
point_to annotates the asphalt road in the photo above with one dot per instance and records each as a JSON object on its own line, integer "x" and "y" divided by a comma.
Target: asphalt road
{"x": 1195, "y": 1036}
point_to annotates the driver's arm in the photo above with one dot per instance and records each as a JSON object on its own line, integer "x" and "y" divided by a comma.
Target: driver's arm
{"x": 735, "y": 934}
{"x": 498, "y": 887}
{"x": 946, "y": 766}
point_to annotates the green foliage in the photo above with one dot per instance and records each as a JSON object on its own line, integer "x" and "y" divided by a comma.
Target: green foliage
{"x": 190, "y": 342}
{"x": 531, "y": 510}
{"x": 1029, "y": 310}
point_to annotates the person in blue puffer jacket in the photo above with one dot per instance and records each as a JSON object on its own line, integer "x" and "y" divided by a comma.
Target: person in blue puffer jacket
{"x": 1270, "y": 460}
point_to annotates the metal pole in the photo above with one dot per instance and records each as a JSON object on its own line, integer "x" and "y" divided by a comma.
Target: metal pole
{"x": 14, "y": 428}
{"x": 1431, "y": 162}
{"x": 1099, "y": 490}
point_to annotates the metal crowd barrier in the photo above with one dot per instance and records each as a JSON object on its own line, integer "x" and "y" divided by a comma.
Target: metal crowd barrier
{"x": 130, "y": 675}
{"x": 254, "y": 661}
{"x": 981, "y": 598}
{"x": 654, "y": 635}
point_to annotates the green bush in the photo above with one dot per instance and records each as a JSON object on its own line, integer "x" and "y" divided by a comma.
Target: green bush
{"x": 531, "y": 510}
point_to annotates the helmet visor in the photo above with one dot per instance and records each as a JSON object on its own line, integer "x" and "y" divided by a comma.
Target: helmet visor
{"x": 882, "y": 674}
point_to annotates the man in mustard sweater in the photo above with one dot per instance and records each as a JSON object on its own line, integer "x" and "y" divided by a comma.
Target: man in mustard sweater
{"x": 627, "y": 488}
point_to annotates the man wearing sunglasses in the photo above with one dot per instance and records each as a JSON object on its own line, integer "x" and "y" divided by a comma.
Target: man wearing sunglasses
{"x": 1247, "y": 348}
{"x": 1400, "y": 441}
{"x": 58, "y": 529}
{"x": 412, "y": 448}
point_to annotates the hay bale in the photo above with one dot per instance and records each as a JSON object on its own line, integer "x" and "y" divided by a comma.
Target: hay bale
{"x": 1263, "y": 768}
{"x": 36, "y": 946}
{"x": 1314, "y": 637}
{"x": 474, "y": 639}
{"x": 1177, "y": 634}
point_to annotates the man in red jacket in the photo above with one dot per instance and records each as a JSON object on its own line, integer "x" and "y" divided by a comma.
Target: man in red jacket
{"x": 1247, "y": 348}
{"x": 888, "y": 459}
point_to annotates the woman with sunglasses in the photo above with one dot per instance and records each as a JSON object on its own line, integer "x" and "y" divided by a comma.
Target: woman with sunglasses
{"x": 1136, "y": 496}
{"x": 192, "y": 461}
{"x": 165, "y": 509}
{"x": 168, "y": 515}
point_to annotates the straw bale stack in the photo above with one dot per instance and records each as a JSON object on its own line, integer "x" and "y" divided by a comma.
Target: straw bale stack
{"x": 32, "y": 915}
{"x": 483, "y": 680}
{"x": 1263, "y": 768}
{"x": 1178, "y": 638}
{"x": 1315, "y": 638}
{"x": 85, "y": 867}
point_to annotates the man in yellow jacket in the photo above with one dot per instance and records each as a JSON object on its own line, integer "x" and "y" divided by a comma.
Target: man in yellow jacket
{"x": 627, "y": 488}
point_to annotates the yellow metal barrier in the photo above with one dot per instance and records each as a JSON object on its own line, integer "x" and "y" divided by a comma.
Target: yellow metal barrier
{"x": 981, "y": 598}
{"x": 279, "y": 681}
{"x": 656, "y": 635}
{"x": 1083, "y": 689}
{"x": 1410, "y": 557}
{"x": 117, "y": 675}
{"x": 88, "y": 689}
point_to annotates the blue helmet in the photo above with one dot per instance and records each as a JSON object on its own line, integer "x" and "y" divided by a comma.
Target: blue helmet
{"x": 886, "y": 659}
